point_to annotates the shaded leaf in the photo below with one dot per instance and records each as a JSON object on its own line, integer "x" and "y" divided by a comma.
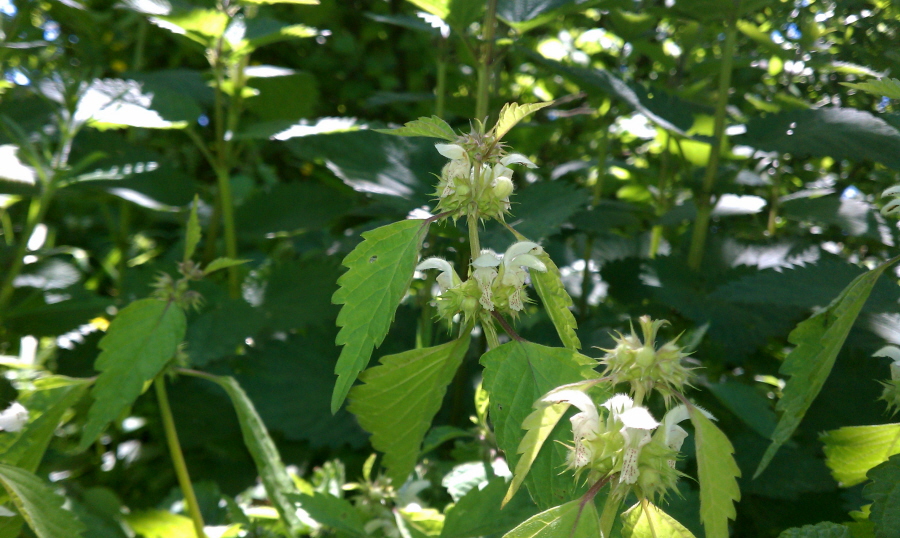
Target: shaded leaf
{"x": 331, "y": 511}
{"x": 218, "y": 331}
{"x": 855, "y": 217}
{"x": 222, "y": 263}
{"x": 542, "y": 208}
{"x": 513, "y": 113}
{"x": 524, "y": 15}
{"x": 887, "y": 87}
{"x": 652, "y": 523}
{"x": 564, "y": 521}
{"x": 825, "y": 529}
{"x": 884, "y": 492}
{"x": 478, "y": 513}
{"x": 852, "y": 451}
{"x": 39, "y": 504}
{"x": 400, "y": 398}
{"x": 748, "y": 404}
{"x": 298, "y": 293}
{"x": 717, "y": 473}
{"x": 288, "y": 207}
{"x": 557, "y": 302}
{"x": 433, "y": 127}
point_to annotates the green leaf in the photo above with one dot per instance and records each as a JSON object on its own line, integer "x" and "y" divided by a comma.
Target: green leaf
{"x": 478, "y": 512}
{"x": 39, "y": 504}
{"x": 748, "y": 404}
{"x": 433, "y": 127}
{"x": 884, "y": 492}
{"x": 825, "y": 529}
{"x": 538, "y": 426}
{"x": 288, "y": 207}
{"x": 222, "y": 263}
{"x": 399, "y": 399}
{"x": 852, "y": 451}
{"x": 524, "y": 15}
{"x": 139, "y": 342}
{"x": 265, "y": 455}
{"x": 513, "y": 113}
{"x": 564, "y": 521}
{"x": 192, "y": 236}
{"x": 380, "y": 270}
{"x": 717, "y": 473}
{"x": 303, "y": 2}
{"x": 654, "y": 523}
{"x": 818, "y": 341}
{"x": 298, "y": 293}
{"x": 516, "y": 375}
{"x": 160, "y": 524}
{"x": 888, "y": 87}
{"x": 556, "y": 302}
{"x": 545, "y": 206}
{"x": 332, "y": 511}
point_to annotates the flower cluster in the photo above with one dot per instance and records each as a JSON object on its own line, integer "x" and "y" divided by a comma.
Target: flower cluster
{"x": 891, "y": 393}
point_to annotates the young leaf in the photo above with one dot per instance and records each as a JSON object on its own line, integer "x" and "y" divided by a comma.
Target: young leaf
{"x": 138, "y": 344}
{"x": 400, "y": 398}
{"x": 513, "y": 113}
{"x": 557, "y": 302}
{"x": 39, "y": 504}
{"x": 654, "y": 523}
{"x": 381, "y": 268}
{"x": 825, "y": 529}
{"x": 332, "y": 511}
{"x": 538, "y": 426}
{"x": 516, "y": 375}
{"x": 265, "y": 455}
{"x": 560, "y": 522}
{"x": 222, "y": 263}
{"x": 888, "y": 87}
{"x": 718, "y": 475}
{"x": 192, "y": 236}
{"x": 818, "y": 341}
{"x": 852, "y": 451}
{"x": 884, "y": 492}
{"x": 433, "y": 127}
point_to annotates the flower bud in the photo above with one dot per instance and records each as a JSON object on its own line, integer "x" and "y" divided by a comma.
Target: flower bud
{"x": 503, "y": 187}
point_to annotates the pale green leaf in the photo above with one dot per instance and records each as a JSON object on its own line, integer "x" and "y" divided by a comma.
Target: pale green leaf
{"x": 265, "y": 455}
{"x": 160, "y": 524}
{"x": 564, "y": 521}
{"x": 381, "y": 268}
{"x": 192, "y": 236}
{"x": 513, "y": 113}
{"x": 557, "y": 302}
{"x": 200, "y": 25}
{"x": 222, "y": 263}
{"x": 717, "y": 473}
{"x": 884, "y": 492}
{"x": 434, "y": 127}
{"x": 304, "y": 2}
{"x": 825, "y": 529}
{"x": 439, "y": 8}
{"x": 139, "y": 342}
{"x": 516, "y": 375}
{"x": 887, "y": 87}
{"x": 39, "y": 504}
{"x": 331, "y": 511}
{"x": 538, "y": 426}
{"x": 652, "y": 523}
{"x": 399, "y": 399}
{"x": 852, "y": 451}
{"x": 818, "y": 341}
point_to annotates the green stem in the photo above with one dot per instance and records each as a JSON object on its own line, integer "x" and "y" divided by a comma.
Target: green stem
{"x": 608, "y": 516}
{"x": 655, "y": 240}
{"x": 474, "y": 243}
{"x": 490, "y": 334}
{"x": 184, "y": 479}
{"x": 8, "y": 233}
{"x": 482, "y": 96}
{"x": 440, "y": 91}
{"x": 704, "y": 203}
{"x": 226, "y": 200}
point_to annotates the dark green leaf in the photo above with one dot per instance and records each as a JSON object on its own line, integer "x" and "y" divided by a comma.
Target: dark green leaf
{"x": 524, "y": 15}
{"x": 219, "y": 330}
{"x": 332, "y": 512}
{"x": 288, "y": 207}
{"x": 564, "y": 521}
{"x": 888, "y": 87}
{"x": 39, "y": 504}
{"x": 824, "y": 529}
{"x": 288, "y": 97}
{"x": 748, "y": 404}
{"x": 478, "y": 513}
{"x": 539, "y": 210}
{"x": 884, "y": 492}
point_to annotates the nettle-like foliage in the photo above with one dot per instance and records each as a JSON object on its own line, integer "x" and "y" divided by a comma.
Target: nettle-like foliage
{"x": 618, "y": 443}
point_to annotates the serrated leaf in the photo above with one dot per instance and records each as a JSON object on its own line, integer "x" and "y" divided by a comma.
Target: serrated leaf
{"x": 380, "y": 270}
{"x": 564, "y": 521}
{"x": 332, "y": 511}
{"x": 265, "y": 455}
{"x": 717, "y": 473}
{"x": 516, "y": 375}
{"x": 39, "y": 504}
{"x": 538, "y": 426}
{"x": 400, "y": 398}
{"x": 139, "y": 342}
{"x": 557, "y": 302}
{"x": 852, "y": 451}
{"x": 887, "y": 87}
{"x": 478, "y": 512}
{"x": 884, "y": 492}
{"x": 818, "y": 341}
{"x": 222, "y": 263}
{"x": 192, "y": 235}
{"x": 825, "y": 529}
{"x": 433, "y": 127}
{"x": 652, "y": 523}
{"x": 513, "y": 113}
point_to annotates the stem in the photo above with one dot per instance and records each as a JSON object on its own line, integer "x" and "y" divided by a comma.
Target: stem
{"x": 482, "y": 96}
{"x": 440, "y": 91}
{"x": 8, "y": 233}
{"x": 227, "y": 205}
{"x": 704, "y": 206}
{"x": 184, "y": 479}
{"x": 646, "y": 511}
{"x": 474, "y": 243}
{"x": 608, "y": 517}
{"x": 507, "y": 327}
{"x": 490, "y": 334}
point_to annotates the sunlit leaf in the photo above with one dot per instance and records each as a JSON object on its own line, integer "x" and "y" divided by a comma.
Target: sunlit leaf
{"x": 513, "y": 113}
{"x": 332, "y": 511}
{"x": 557, "y": 302}
{"x": 193, "y": 231}
{"x": 652, "y": 523}
{"x": 884, "y": 492}
{"x": 39, "y": 504}
{"x": 433, "y": 127}
{"x": 850, "y": 452}
{"x": 564, "y": 521}
{"x": 538, "y": 426}
{"x": 718, "y": 474}
{"x": 160, "y": 524}
{"x": 523, "y": 15}
{"x": 222, "y": 263}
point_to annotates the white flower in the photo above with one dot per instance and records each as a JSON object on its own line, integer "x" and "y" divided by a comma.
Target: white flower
{"x": 452, "y": 151}
{"x": 517, "y": 158}
{"x": 6, "y": 512}
{"x": 448, "y": 277}
{"x": 585, "y": 425}
{"x": 637, "y": 423}
{"x": 484, "y": 274}
{"x": 517, "y": 257}
{"x": 674, "y": 435}
{"x": 14, "y": 417}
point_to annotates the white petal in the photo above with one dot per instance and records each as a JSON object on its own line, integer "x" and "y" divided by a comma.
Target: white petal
{"x": 451, "y": 151}
{"x": 14, "y": 417}
{"x": 487, "y": 259}
{"x": 527, "y": 260}
{"x": 895, "y": 190}
{"x": 517, "y": 249}
{"x": 575, "y": 397}
{"x": 517, "y": 158}
{"x": 618, "y": 403}
{"x": 435, "y": 263}
{"x": 675, "y": 437}
{"x": 6, "y": 512}
{"x": 638, "y": 418}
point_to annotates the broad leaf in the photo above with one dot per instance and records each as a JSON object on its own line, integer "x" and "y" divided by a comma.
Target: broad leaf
{"x": 748, "y": 404}
{"x": 523, "y": 15}
{"x": 557, "y": 302}
{"x": 222, "y": 263}
{"x": 825, "y": 529}
{"x": 298, "y": 293}
{"x": 433, "y": 127}
{"x": 818, "y": 341}
{"x": 852, "y": 451}
{"x": 541, "y": 209}
{"x": 139, "y": 342}
{"x": 380, "y": 270}
{"x": 288, "y": 207}
{"x": 513, "y": 113}
{"x": 516, "y": 375}
{"x": 400, "y": 398}
{"x": 220, "y": 329}
{"x": 717, "y": 473}
{"x": 652, "y": 523}
{"x": 887, "y": 87}
{"x": 39, "y": 504}
{"x": 538, "y": 426}
{"x": 116, "y": 103}
{"x": 884, "y": 492}
{"x": 565, "y": 521}
{"x": 265, "y": 455}
{"x": 332, "y": 511}
{"x": 160, "y": 524}
{"x": 478, "y": 513}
